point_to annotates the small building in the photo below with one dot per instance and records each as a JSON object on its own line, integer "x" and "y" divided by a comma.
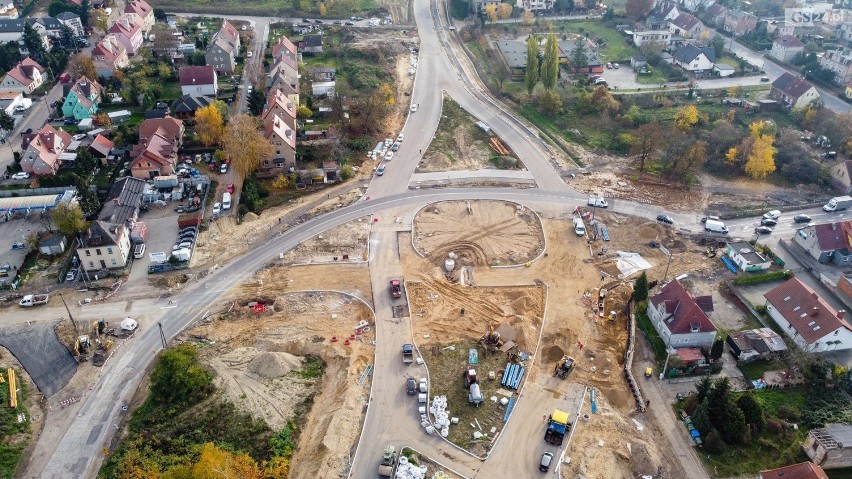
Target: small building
{"x": 101, "y": 147}
{"x": 831, "y": 446}
{"x": 104, "y": 246}
{"x": 514, "y": 53}
{"x": 567, "y": 47}
{"x": 694, "y": 59}
{"x": 109, "y": 55}
{"x": 128, "y": 34}
{"x": 323, "y": 88}
{"x": 311, "y": 44}
{"x": 803, "y": 470}
{"x": 755, "y": 343}
{"x": 723, "y": 70}
{"x": 638, "y": 62}
{"x": 42, "y": 150}
{"x": 793, "y": 92}
{"x": 680, "y": 319}
{"x": 663, "y": 38}
{"x": 198, "y": 80}
{"x": 322, "y": 73}
{"x": 827, "y": 242}
{"x": 122, "y": 203}
{"x": 25, "y": 77}
{"x": 746, "y": 258}
{"x": 691, "y": 357}
{"x": 9, "y": 100}
{"x": 52, "y": 245}
{"x": 785, "y": 47}
{"x": 186, "y": 106}
{"x": 809, "y": 321}
{"x": 72, "y": 21}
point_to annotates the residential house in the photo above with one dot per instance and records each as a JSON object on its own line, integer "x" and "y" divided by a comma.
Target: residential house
{"x": 42, "y": 150}
{"x": 121, "y": 206}
{"x": 25, "y": 77}
{"x": 230, "y": 33}
{"x": 141, "y": 13}
{"x": 9, "y": 100}
{"x": 840, "y": 63}
{"x": 567, "y": 47}
{"x": 46, "y": 26}
{"x": 666, "y": 11}
{"x": 514, "y": 53}
{"x": 680, "y": 319}
{"x": 687, "y": 26}
{"x": 109, "y": 55}
{"x": 198, "y": 80}
{"x": 128, "y": 33}
{"x": 716, "y": 14}
{"x": 804, "y": 470}
{"x": 830, "y": 446}
{"x": 739, "y": 22}
{"x": 534, "y": 5}
{"x": 746, "y": 258}
{"x": 104, "y": 246}
{"x": 311, "y": 44}
{"x": 186, "y": 106}
{"x": 284, "y": 47}
{"x": 287, "y": 65}
{"x": 807, "y": 319}
{"x": 72, "y": 21}
{"x": 52, "y": 245}
{"x": 170, "y": 128}
{"x": 827, "y": 242}
{"x": 223, "y": 49}
{"x": 11, "y": 30}
{"x": 793, "y": 92}
{"x": 289, "y": 85}
{"x": 780, "y": 28}
{"x": 784, "y": 48}
{"x": 321, "y": 73}
{"x": 755, "y": 343}
{"x": 638, "y": 62}
{"x": 694, "y": 59}
{"x": 101, "y": 147}
{"x": 841, "y": 176}
{"x": 8, "y": 11}
{"x": 156, "y": 153}
{"x": 663, "y": 38}
{"x": 82, "y": 98}
{"x": 323, "y": 88}
{"x": 279, "y": 106}
{"x": 283, "y": 140}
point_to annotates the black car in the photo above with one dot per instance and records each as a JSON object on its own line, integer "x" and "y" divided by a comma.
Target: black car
{"x": 763, "y": 230}
{"x": 70, "y": 121}
{"x": 338, "y": 22}
{"x": 665, "y": 219}
{"x": 411, "y": 386}
{"x": 768, "y": 222}
{"x": 305, "y": 20}
{"x": 802, "y": 219}
{"x": 318, "y": 21}
{"x": 349, "y": 23}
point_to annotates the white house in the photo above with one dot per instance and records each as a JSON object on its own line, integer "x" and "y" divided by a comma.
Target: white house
{"x": 660, "y": 37}
{"x": 746, "y": 258}
{"x": 785, "y": 47}
{"x": 198, "y": 80}
{"x": 682, "y": 321}
{"x": 809, "y": 321}
{"x": 694, "y": 59}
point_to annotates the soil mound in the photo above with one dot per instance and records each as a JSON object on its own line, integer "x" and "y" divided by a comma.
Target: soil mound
{"x": 249, "y": 217}
{"x": 273, "y": 365}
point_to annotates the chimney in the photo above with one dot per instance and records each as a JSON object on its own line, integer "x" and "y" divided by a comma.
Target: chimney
{"x": 815, "y": 311}
{"x": 833, "y": 226}
{"x": 115, "y": 201}
{"x": 841, "y": 314}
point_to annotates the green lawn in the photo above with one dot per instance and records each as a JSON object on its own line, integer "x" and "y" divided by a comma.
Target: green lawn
{"x": 614, "y": 48}
{"x": 729, "y": 61}
{"x": 655, "y": 78}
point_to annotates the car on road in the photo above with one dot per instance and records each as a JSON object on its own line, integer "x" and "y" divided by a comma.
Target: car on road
{"x": 21, "y": 175}
{"x": 337, "y": 22}
{"x": 305, "y": 20}
{"x": 764, "y": 79}
{"x": 411, "y": 386}
{"x": 224, "y": 168}
{"x": 768, "y": 222}
{"x": 349, "y": 23}
{"x": 544, "y": 463}
{"x": 230, "y": 188}
{"x": 413, "y": 107}
{"x": 772, "y": 215}
{"x": 380, "y": 171}
{"x": 763, "y": 230}
{"x": 609, "y": 66}
{"x": 712, "y": 218}
{"x": 217, "y": 208}
{"x": 249, "y": 89}
{"x": 249, "y": 54}
{"x": 801, "y": 219}
{"x": 70, "y": 121}
{"x": 665, "y": 219}
{"x": 318, "y": 21}
{"x": 400, "y": 137}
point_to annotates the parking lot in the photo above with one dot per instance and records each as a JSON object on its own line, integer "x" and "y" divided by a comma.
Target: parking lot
{"x": 15, "y": 232}
{"x": 162, "y": 232}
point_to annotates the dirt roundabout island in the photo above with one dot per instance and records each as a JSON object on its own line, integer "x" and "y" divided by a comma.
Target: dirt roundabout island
{"x": 479, "y": 232}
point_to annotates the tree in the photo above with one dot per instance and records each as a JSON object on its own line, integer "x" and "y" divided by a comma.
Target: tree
{"x": 322, "y": 9}
{"x": 209, "y": 125}
{"x": 99, "y": 20}
{"x": 718, "y": 44}
{"x": 215, "y": 463}
{"x": 67, "y": 39}
{"x": 717, "y": 349}
{"x": 102, "y": 118}
{"x": 387, "y": 95}
{"x": 68, "y": 218}
{"x": 245, "y": 145}
{"x": 304, "y": 112}
{"x": 527, "y": 18}
{"x": 646, "y": 141}
{"x": 178, "y": 378}
{"x": 701, "y": 417}
{"x": 604, "y": 101}
{"x": 7, "y": 121}
{"x": 636, "y": 9}
{"x": 640, "y": 289}
{"x": 281, "y": 182}
{"x": 81, "y": 65}
{"x": 686, "y": 117}
{"x": 504, "y": 11}
{"x": 702, "y": 388}
{"x": 579, "y": 57}
{"x": 531, "y": 74}
{"x": 85, "y": 13}
{"x": 761, "y": 160}
{"x": 85, "y": 161}
{"x": 550, "y": 103}
{"x": 491, "y": 12}
{"x": 752, "y": 412}
{"x": 32, "y": 40}
{"x": 550, "y": 63}
{"x": 256, "y": 102}
{"x": 160, "y": 14}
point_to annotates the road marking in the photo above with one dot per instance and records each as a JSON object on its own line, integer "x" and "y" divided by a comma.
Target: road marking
{"x": 168, "y": 307}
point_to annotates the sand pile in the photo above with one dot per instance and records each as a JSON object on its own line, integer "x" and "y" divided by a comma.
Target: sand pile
{"x": 249, "y": 217}
{"x": 274, "y": 365}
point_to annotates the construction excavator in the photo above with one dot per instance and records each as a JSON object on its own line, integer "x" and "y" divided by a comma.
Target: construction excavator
{"x": 564, "y": 367}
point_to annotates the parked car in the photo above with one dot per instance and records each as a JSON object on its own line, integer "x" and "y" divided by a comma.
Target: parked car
{"x": 217, "y": 208}
{"x": 768, "y": 222}
{"x": 337, "y": 22}
{"x": 380, "y": 171}
{"x": 389, "y": 156}
{"x": 400, "y": 137}
{"x": 249, "y": 54}
{"x": 801, "y": 219}
{"x": 764, "y": 79}
{"x": 772, "y": 215}
{"x": 79, "y": 136}
{"x": 411, "y": 386}
{"x": 544, "y": 463}
{"x": 69, "y": 121}
{"x": 665, "y": 219}
{"x": 616, "y": 66}
{"x": 21, "y": 175}
{"x": 609, "y": 66}
{"x": 224, "y": 168}
{"x": 763, "y": 230}
{"x": 230, "y": 188}
{"x": 349, "y": 23}
{"x": 318, "y": 21}
{"x": 71, "y": 275}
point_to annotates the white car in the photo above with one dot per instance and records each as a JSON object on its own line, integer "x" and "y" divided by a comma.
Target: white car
{"x": 388, "y": 156}
{"x": 249, "y": 54}
{"x": 400, "y": 138}
{"x": 772, "y": 215}
{"x": 21, "y": 175}
{"x": 79, "y": 136}
{"x": 217, "y": 208}
{"x": 413, "y": 107}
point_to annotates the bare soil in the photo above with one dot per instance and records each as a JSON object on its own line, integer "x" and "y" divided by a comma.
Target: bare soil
{"x": 344, "y": 243}
{"x": 611, "y": 184}
{"x": 479, "y": 232}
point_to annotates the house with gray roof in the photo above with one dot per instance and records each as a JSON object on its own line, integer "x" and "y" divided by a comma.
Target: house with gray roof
{"x": 694, "y": 59}
{"x": 793, "y": 91}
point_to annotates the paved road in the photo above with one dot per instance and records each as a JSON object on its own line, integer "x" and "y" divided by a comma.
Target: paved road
{"x": 35, "y": 118}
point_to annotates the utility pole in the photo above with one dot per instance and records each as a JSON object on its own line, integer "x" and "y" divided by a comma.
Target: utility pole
{"x": 69, "y": 312}
{"x": 669, "y": 254}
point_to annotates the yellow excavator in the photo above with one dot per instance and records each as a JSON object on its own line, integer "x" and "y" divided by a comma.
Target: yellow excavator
{"x": 564, "y": 367}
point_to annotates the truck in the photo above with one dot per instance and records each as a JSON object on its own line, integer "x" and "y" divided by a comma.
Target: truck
{"x": 838, "y": 203}
{"x": 715, "y": 227}
{"x": 407, "y": 353}
{"x": 33, "y": 300}
{"x": 388, "y": 462}
{"x": 557, "y": 427}
{"x": 598, "y": 202}
{"x": 395, "y": 289}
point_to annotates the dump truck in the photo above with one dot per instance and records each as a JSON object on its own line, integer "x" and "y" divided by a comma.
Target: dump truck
{"x": 557, "y": 427}
{"x": 33, "y": 300}
{"x": 395, "y": 289}
{"x": 388, "y": 462}
{"x": 838, "y": 203}
{"x": 407, "y": 353}
{"x": 564, "y": 366}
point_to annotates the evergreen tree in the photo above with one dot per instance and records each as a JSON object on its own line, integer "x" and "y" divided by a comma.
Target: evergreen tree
{"x": 550, "y": 64}
{"x": 531, "y": 75}
{"x": 753, "y": 413}
{"x": 32, "y": 40}
{"x": 717, "y": 349}
{"x": 640, "y": 288}
{"x": 703, "y": 388}
{"x": 579, "y": 57}
{"x": 85, "y": 13}
{"x": 7, "y": 122}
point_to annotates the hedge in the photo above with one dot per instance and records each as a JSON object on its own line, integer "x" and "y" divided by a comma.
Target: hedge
{"x": 762, "y": 278}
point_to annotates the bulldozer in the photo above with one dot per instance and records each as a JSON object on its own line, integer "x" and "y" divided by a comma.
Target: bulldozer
{"x": 564, "y": 367}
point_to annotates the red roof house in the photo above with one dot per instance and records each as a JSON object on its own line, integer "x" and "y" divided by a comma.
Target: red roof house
{"x": 42, "y": 150}
{"x": 25, "y": 77}
{"x": 809, "y": 321}
{"x": 680, "y": 319}
{"x": 803, "y": 470}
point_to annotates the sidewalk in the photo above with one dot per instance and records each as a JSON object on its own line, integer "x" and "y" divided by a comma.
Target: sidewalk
{"x": 465, "y": 176}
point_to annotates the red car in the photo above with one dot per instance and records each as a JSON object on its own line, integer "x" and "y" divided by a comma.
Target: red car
{"x": 230, "y": 187}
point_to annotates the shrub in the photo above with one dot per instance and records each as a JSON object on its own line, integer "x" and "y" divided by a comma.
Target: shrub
{"x": 713, "y": 443}
{"x": 774, "y": 426}
{"x": 789, "y": 413}
{"x": 762, "y": 278}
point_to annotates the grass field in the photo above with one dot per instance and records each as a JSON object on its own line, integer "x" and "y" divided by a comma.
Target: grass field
{"x": 266, "y": 8}
{"x": 614, "y": 48}
{"x": 755, "y": 369}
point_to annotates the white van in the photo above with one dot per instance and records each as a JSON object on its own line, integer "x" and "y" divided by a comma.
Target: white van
{"x": 139, "y": 251}
{"x": 579, "y": 227}
{"x": 226, "y": 201}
